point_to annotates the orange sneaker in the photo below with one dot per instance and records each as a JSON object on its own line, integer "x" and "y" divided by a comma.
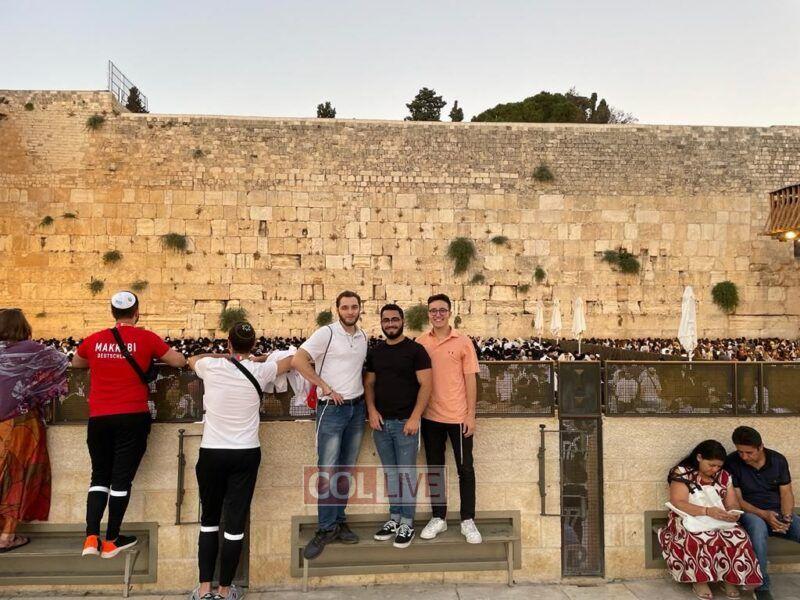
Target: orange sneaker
{"x": 123, "y": 542}
{"x": 92, "y": 545}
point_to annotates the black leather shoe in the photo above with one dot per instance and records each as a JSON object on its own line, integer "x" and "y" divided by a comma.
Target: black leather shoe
{"x": 317, "y": 544}
{"x": 345, "y": 535}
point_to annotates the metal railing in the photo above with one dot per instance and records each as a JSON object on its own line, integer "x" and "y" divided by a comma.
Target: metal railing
{"x": 120, "y": 86}
{"x": 526, "y": 388}
{"x": 708, "y": 388}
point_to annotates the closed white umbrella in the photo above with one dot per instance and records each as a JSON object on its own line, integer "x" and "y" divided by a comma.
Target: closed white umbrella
{"x": 687, "y": 331}
{"x": 578, "y": 320}
{"x": 538, "y": 319}
{"x": 555, "y": 320}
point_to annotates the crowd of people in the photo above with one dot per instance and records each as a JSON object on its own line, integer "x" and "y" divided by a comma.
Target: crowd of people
{"x": 492, "y": 348}
{"x": 733, "y": 349}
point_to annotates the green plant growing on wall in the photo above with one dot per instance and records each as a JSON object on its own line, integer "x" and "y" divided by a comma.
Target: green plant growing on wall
{"x": 462, "y": 252}
{"x": 524, "y": 288}
{"x": 95, "y": 122}
{"x": 726, "y": 296}
{"x": 457, "y": 321}
{"x": 29, "y": 106}
{"x": 41, "y": 315}
{"x": 622, "y": 260}
{"x": 325, "y": 317}
{"x": 543, "y": 174}
{"x": 500, "y": 240}
{"x": 325, "y": 110}
{"x": 96, "y": 286}
{"x": 198, "y": 153}
{"x": 230, "y": 316}
{"x": 416, "y": 317}
{"x": 111, "y": 257}
{"x": 175, "y": 241}
{"x": 46, "y": 221}
{"x": 478, "y": 279}
{"x": 539, "y": 274}
{"x": 139, "y": 285}
{"x": 69, "y": 215}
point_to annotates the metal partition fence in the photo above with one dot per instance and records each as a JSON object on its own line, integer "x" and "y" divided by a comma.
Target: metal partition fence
{"x": 710, "y": 388}
{"x": 176, "y": 396}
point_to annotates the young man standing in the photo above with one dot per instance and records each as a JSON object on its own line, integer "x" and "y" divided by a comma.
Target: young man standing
{"x": 450, "y": 414}
{"x": 338, "y": 352}
{"x": 763, "y": 485}
{"x": 397, "y": 387}
{"x": 119, "y": 417}
{"x": 230, "y": 453}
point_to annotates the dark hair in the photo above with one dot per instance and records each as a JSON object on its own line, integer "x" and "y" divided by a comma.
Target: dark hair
{"x": 14, "y": 327}
{"x": 708, "y": 449}
{"x": 242, "y": 337}
{"x": 126, "y": 313}
{"x": 392, "y": 307}
{"x": 746, "y": 436}
{"x": 443, "y": 297}
{"x": 347, "y": 294}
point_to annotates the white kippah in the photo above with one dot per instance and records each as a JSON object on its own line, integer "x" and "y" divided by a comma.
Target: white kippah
{"x": 123, "y": 300}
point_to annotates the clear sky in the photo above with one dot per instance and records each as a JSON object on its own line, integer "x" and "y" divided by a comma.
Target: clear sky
{"x": 699, "y": 62}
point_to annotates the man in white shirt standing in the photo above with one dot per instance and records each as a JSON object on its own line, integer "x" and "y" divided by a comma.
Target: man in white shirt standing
{"x": 338, "y": 352}
{"x": 230, "y": 453}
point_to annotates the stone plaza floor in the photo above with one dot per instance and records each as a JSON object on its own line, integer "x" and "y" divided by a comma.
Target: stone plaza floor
{"x": 784, "y": 587}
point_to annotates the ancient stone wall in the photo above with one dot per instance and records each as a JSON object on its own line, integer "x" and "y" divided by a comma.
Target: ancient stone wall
{"x": 282, "y": 214}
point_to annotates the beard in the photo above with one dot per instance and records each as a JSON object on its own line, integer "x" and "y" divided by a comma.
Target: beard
{"x": 393, "y": 336}
{"x": 350, "y": 322}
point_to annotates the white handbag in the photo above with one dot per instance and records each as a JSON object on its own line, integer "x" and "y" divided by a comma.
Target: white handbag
{"x": 706, "y": 496}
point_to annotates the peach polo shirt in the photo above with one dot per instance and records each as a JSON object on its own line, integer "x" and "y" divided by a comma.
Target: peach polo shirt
{"x": 452, "y": 359}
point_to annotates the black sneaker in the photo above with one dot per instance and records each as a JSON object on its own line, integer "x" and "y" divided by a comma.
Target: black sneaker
{"x": 763, "y": 595}
{"x": 388, "y": 531}
{"x": 404, "y": 536}
{"x": 315, "y": 547}
{"x": 345, "y": 535}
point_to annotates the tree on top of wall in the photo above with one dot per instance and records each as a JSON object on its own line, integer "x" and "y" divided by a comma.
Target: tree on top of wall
{"x": 326, "y": 111}
{"x": 426, "y": 106}
{"x": 134, "y": 103}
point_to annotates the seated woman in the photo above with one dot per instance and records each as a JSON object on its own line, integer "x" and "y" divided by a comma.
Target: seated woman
{"x": 721, "y": 550}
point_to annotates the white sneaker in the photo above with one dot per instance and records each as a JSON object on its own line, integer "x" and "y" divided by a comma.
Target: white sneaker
{"x": 434, "y": 527}
{"x": 470, "y": 531}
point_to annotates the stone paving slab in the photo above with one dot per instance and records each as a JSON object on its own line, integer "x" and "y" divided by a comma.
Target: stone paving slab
{"x": 784, "y": 587}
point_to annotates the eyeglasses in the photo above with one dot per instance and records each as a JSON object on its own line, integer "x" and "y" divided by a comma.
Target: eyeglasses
{"x": 438, "y": 311}
{"x": 392, "y": 320}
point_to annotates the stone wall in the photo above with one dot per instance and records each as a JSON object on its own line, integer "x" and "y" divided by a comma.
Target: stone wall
{"x": 281, "y": 214}
{"x": 638, "y": 453}
{"x": 504, "y": 482}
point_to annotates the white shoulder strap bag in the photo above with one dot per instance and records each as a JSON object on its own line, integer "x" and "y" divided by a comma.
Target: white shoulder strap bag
{"x": 708, "y": 497}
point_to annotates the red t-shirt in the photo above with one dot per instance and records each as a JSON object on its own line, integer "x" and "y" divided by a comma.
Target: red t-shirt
{"x": 115, "y": 388}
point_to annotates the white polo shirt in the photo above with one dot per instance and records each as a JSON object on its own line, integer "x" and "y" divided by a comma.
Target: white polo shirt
{"x": 342, "y": 369}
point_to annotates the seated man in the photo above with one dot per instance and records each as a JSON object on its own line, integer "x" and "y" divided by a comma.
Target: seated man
{"x": 764, "y": 487}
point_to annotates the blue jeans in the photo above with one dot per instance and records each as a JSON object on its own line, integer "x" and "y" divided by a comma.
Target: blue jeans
{"x": 759, "y": 532}
{"x": 339, "y": 433}
{"x": 398, "y": 454}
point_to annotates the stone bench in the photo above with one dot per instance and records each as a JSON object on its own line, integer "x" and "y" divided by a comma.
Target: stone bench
{"x": 779, "y": 550}
{"x": 53, "y": 557}
{"x": 500, "y": 550}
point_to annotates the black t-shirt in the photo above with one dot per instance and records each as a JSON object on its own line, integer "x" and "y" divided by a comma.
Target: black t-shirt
{"x": 760, "y": 487}
{"x": 395, "y": 367}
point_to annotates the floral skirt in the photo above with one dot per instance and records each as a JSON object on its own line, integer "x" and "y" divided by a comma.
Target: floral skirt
{"x": 24, "y": 471}
{"x": 709, "y": 556}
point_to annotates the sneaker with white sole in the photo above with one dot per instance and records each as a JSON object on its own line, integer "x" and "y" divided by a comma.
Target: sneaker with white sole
{"x": 388, "y": 531}
{"x": 196, "y": 595}
{"x": 434, "y": 527}
{"x": 470, "y": 531}
{"x": 234, "y": 593}
{"x": 405, "y": 534}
